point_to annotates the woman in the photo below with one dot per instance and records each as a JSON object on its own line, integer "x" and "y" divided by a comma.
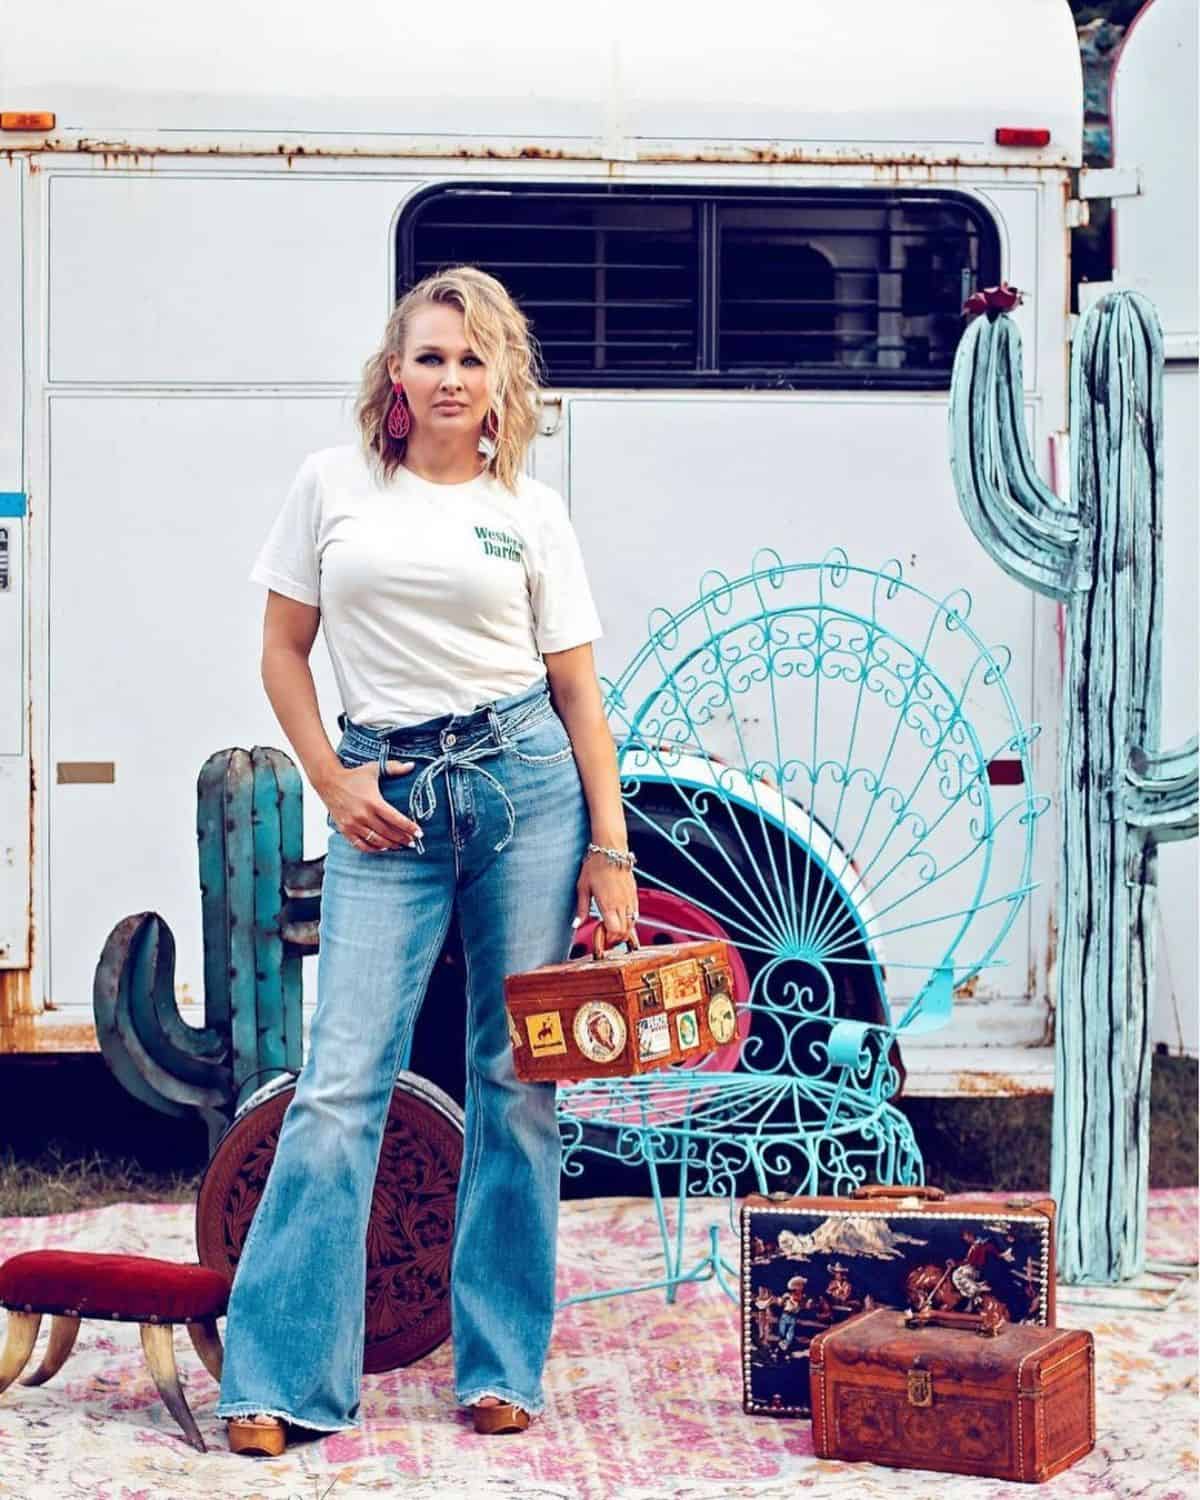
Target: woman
{"x": 476, "y": 772}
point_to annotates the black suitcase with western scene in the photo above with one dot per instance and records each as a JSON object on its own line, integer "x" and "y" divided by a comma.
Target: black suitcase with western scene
{"x": 810, "y": 1263}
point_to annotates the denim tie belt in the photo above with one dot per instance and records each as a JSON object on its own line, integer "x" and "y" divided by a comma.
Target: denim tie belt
{"x": 422, "y": 799}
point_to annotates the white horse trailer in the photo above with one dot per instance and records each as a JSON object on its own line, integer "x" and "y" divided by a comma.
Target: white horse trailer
{"x": 200, "y": 248}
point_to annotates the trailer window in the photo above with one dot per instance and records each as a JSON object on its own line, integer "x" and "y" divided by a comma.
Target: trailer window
{"x": 755, "y": 289}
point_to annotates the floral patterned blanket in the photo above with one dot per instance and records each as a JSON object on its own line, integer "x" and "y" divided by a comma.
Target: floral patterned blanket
{"x": 644, "y": 1398}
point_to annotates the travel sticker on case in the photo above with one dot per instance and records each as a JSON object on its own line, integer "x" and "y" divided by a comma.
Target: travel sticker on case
{"x": 680, "y": 983}
{"x": 654, "y": 1037}
{"x": 600, "y": 1031}
{"x": 688, "y": 1029}
{"x": 722, "y": 1020}
{"x": 545, "y": 1034}
{"x": 514, "y": 1034}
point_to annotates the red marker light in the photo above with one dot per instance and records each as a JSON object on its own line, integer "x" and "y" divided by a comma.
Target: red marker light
{"x": 1014, "y": 135}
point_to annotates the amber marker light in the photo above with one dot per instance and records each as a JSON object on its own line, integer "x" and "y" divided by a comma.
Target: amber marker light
{"x": 26, "y": 119}
{"x": 1015, "y": 135}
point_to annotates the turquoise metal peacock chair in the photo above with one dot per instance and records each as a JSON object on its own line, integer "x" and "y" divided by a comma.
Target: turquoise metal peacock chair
{"x": 824, "y": 765}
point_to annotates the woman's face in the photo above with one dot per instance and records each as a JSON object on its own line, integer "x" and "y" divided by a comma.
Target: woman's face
{"x": 439, "y": 367}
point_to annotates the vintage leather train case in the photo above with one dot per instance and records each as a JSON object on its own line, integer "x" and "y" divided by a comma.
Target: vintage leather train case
{"x": 614, "y": 1015}
{"x": 811, "y": 1263}
{"x": 1015, "y": 1402}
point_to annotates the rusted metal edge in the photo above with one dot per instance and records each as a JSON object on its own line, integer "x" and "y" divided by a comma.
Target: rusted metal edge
{"x": 1012, "y": 1073}
{"x": 434, "y": 149}
{"x": 28, "y": 1035}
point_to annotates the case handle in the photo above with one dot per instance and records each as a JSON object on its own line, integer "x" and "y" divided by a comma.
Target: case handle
{"x": 987, "y": 1324}
{"x": 599, "y": 935}
{"x": 931, "y": 1194}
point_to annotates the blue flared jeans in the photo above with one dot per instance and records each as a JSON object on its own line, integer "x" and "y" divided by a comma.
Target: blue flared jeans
{"x": 498, "y": 794}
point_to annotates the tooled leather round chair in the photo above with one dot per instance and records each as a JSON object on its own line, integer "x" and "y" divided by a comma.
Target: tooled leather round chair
{"x": 411, "y": 1229}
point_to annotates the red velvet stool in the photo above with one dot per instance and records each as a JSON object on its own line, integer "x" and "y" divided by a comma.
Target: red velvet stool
{"x": 75, "y": 1284}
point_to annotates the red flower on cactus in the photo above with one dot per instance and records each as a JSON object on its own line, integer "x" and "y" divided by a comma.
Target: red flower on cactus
{"x": 992, "y": 300}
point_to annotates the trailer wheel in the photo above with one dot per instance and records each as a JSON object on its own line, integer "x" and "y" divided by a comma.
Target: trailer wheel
{"x": 729, "y": 880}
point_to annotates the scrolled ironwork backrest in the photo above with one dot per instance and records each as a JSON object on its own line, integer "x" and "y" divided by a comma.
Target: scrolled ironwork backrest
{"x": 825, "y": 739}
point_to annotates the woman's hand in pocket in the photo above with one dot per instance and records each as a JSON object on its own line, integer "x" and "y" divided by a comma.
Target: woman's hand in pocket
{"x": 360, "y": 813}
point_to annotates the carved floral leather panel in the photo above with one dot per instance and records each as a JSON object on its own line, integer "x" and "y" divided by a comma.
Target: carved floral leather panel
{"x": 880, "y": 1418}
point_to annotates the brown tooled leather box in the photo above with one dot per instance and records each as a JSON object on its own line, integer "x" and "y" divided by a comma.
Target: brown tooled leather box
{"x": 614, "y": 1015}
{"x": 951, "y": 1392}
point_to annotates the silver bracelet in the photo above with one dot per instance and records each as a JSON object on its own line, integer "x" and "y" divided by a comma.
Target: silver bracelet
{"x": 615, "y": 855}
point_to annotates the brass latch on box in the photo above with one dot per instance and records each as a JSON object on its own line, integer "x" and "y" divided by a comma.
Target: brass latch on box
{"x": 714, "y": 976}
{"x": 920, "y": 1388}
{"x": 651, "y": 997}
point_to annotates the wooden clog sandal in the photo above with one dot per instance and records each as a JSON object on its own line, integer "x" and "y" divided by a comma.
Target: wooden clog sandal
{"x": 261, "y": 1435}
{"x": 507, "y": 1416}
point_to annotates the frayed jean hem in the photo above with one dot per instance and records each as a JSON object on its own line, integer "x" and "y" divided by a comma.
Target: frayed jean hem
{"x": 534, "y": 1408}
{"x": 245, "y": 1410}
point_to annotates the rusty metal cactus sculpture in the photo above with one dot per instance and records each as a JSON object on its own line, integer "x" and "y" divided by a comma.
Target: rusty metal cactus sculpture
{"x": 1100, "y": 553}
{"x": 260, "y": 915}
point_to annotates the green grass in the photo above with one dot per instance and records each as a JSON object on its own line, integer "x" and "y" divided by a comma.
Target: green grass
{"x": 60, "y": 1180}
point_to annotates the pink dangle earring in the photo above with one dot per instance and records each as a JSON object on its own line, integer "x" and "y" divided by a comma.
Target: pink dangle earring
{"x": 489, "y": 436}
{"x": 399, "y": 419}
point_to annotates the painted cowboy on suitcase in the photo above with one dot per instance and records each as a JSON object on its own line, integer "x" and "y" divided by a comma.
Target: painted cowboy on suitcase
{"x": 809, "y": 1264}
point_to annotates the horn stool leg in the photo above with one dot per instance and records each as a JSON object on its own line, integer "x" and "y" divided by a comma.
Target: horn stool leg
{"x": 159, "y": 1345}
{"x": 207, "y": 1343}
{"x": 22, "y": 1335}
{"x": 63, "y": 1329}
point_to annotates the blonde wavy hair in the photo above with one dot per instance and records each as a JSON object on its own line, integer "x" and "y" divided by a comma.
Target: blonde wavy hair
{"x": 498, "y": 331}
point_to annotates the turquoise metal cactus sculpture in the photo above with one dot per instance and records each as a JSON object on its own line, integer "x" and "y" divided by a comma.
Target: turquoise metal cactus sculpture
{"x": 1100, "y": 553}
{"x": 259, "y": 906}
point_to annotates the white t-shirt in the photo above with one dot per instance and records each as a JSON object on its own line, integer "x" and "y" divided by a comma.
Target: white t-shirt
{"x": 434, "y": 598}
